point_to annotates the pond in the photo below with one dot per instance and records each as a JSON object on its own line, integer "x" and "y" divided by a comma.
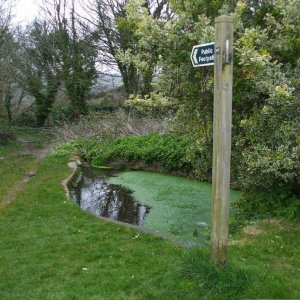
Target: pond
{"x": 175, "y": 206}
{"x": 93, "y": 193}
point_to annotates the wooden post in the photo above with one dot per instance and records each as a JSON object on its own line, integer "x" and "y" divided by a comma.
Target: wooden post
{"x": 221, "y": 138}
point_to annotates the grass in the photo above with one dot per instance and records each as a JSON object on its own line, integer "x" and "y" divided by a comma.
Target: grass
{"x": 53, "y": 250}
{"x": 50, "y": 249}
{"x": 13, "y": 163}
{"x": 232, "y": 282}
{"x": 38, "y": 137}
{"x": 13, "y": 166}
{"x": 180, "y": 206}
{"x": 271, "y": 247}
{"x": 263, "y": 264}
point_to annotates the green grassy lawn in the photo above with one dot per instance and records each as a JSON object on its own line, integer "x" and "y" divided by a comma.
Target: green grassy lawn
{"x": 50, "y": 249}
{"x": 13, "y": 166}
{"x": 271, "y": 248}
{"x": 180, "y": 207}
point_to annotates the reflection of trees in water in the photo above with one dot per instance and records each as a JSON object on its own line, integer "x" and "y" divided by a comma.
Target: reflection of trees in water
{"x": 111, "y": 201}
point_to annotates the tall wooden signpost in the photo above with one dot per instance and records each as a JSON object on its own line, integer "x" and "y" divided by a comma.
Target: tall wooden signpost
{"x": 223, "y": 67}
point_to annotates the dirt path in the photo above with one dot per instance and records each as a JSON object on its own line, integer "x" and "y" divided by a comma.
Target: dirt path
{"x": 27, "y": 148}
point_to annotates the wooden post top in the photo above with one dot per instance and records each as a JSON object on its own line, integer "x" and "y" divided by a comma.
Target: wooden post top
{"x": 224, "y": 18}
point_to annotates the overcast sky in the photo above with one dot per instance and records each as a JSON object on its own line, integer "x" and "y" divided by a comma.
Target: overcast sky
{"x": 25, "y": 10}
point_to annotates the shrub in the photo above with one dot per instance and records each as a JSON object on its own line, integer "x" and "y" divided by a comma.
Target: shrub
{"x": 200, "y": 154}
{"x": 65, "y": 150}
{"x": 6, "y": 135}
{"x": 155, "y": 105}
{"x": 167, "y": 150}
{"x": 60, "y": 113}
{"x": 26, "y": 118}
{"x": 280, "y": 202}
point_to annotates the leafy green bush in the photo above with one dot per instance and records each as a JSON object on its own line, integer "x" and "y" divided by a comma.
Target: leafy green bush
{"x": 200, "y": 155}
{"x": 153, "y": 105}
{"x": 26, "y": 118}
{"x": 65, "y": 150}
{"x": 101, "y": 107}
{"x": 167, "y": 150}
{"x": 279, "y": 202}
{"x": 6, "y": 135}
{"x": 60, "y": 113}
{"x": 260, "y": 205}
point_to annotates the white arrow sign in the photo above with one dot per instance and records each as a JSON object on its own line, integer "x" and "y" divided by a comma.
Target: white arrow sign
{"x": 203, "y": 55}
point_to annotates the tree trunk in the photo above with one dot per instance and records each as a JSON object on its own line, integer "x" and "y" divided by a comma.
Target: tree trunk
{"x": 8, "y": 99}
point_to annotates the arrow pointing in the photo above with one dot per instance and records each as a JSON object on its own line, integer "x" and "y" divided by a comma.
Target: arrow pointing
{"x": 195, "y": 56}
{"x": 203, "y": 58}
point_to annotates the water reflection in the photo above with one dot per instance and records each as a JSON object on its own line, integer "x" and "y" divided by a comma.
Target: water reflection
{"x": 100, "y": 198}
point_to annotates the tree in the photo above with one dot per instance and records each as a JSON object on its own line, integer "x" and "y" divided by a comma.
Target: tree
{"x": 8, "y": 62}
{"x": 56, "y": 55}
{"x": 40, "y": 68}
{"x": 115, "y": 33}
{"x": 76, "y": 54}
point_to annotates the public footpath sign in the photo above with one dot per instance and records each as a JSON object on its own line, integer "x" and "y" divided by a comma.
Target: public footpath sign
{"x": 222, "y": 59}
{"x": 203, "y": 55}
